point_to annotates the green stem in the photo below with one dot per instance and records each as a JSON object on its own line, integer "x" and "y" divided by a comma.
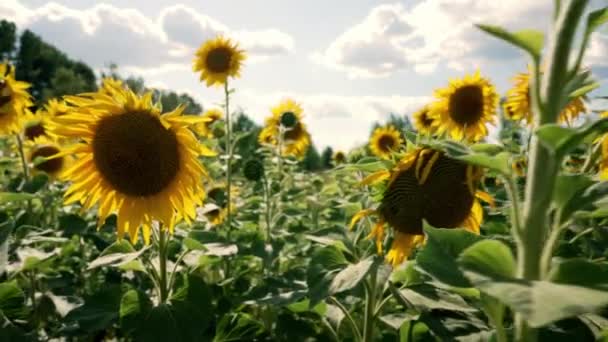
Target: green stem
{"x": 349, "y": 318}
{"x": 162, "y": 256}
{"x": 332, "y": 331}
{"x": 543, "y": 164}
{"x": 592, "y": 157}
{"x": 370, "y": 306}
{"x": 174, "y": 271}
{"x": 268, "y": 207}
{"x": 26, "y": 172}
{"x": 228, "y": 159}
{"x": 513, "y": 193}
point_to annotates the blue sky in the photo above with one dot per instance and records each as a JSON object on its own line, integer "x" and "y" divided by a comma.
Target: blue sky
{"x": 349, "y": 62}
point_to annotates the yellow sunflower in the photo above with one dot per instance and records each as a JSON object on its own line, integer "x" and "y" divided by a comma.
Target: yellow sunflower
{"x": 517, "y": 105}
{"x": 285, "y": 126}
{"x": 218, "y": 207}
{"x": 14, "y": 100}
{"x": 425, "y": 185}
{"x": 211, "y": 115}
{"x": 423, "y": 122}
{"x": 385, "y": 141}
{"x": 36, "y": 127}
{"x": 56, "y": 107}
{"x": 133, "y": 161}
{"x": 604, "y": 159}
{"x": 110, "y": 86}
{"x": 42, "y": 157}
{"x": 339, "y": 157}
{"x": 464, "y": 108}
{"x": 217, "y": 59}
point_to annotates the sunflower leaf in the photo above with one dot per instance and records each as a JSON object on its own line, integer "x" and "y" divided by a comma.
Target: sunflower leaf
{"x": 581, "y": 272}
{"x": 561, "y": 140}
{"x": 488, "y": 257}
{"x": 529, "y": 40}
{"x": 596, "y": 19}
{"x": 498, "y": 163}
{"x": 6, "y": 197}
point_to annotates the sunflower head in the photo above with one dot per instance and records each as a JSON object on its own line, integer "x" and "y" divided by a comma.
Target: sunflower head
{"x": 253, "y": 169}
{"x": 217, "y": 59}
{"x": 132, "y": 160}
{"x": 465, "y": 107}
{"x": 42, "y": 157}
{"x": 423, "y": 122}
{"x": 35, "y": 129}
{"x": 211, "y": 116}
{"x": 339, "y": 157}
{"x": 218, "y": 196}
{"x": 385, "y": 141}
{"x": 14, "y": 100}
{"x": 285, "y": 124}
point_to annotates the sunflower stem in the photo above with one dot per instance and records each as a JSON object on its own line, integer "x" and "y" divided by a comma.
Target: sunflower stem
{"x": 370, "y": 306}
{"x": 349, "y": 318}
{"x": 546, "y": 105}
{"x": 26, "y": 172}
{"x": 228, "y": 159}
{"x": 162, "y": 256}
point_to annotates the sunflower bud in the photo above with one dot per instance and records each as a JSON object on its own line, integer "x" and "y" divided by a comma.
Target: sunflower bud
{"x": 218, "y": 131}
{"x": 288, "y": 120}
{"x": 253, "y": 170}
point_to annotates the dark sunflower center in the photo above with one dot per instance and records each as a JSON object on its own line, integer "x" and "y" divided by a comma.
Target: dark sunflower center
{"x": 218, "y": 60}
{"x": 466, "y": 105}
{"x": 289, "y": 119}
{"x": 294, "y": 133}
{"x": 218, "y": 196}
{"x": 213, "y": 213}
{"x": 34, "y": 131}
{"x": 135, "y": 153}
{"x": 49, "y": 166}
{"x": 387, "y": 143}
{"x": 444, "y": 199}
{"x": 425, "y": 120}
{"x": 340, "y": 157}
{"x": 447, "y": 195}
{"x": 5, "y": 94}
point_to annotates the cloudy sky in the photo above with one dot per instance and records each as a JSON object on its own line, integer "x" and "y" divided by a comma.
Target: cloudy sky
{"x": 349, "y": 62}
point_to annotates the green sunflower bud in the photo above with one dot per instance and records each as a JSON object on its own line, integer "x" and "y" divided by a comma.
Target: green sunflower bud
{"x": 253, "y": 170}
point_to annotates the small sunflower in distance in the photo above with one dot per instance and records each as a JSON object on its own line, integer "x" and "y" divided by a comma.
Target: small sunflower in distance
{"x": 423, "y": 122}
{"x": 14, "y": 100}
{"x": 424, "y": 185}
{"x": 464, "y": 108}
{"x": 36, "y": 127}
{"x": 211, "y": 115}
{"x": 385, "y": 141}
{"x": 217, "y": 59}
{"x": 218, "y": 199}
{"x": 518, "y": 105}
{"x": 41, "y": 157}
{"x": 286, "y": 123}
{"x": 339, "y": 157}
{"x": 132, "y": 160}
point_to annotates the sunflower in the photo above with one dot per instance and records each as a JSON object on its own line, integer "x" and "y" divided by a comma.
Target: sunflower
{"x": 517, "y": 105}
{"x": 425, "y": 185}
{"x": 211, "y": 115}
{"x": 42, "y": 156}
{"x": 464, "y": 108}
{"x": 36, "y": 127}
{"x": 218, "y": 209}
{"x": 423, "y": 122}
{"x": 56, "y": 107}
{"x": 217, "y": 59}
{"x": 285, "y": 126}
{"x": 385, "y": 141}
{"x": 339, "y": 157}
{"x": 604, "y": 159}
{"x": 110, "y": 86}
{"x": 14, "y": 100}
{"x": 132, "y": 160}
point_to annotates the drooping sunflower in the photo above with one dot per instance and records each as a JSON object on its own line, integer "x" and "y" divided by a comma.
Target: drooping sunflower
{"x": 423, "y": 122}
{"x": 42, "y": 157}
{"x": 426, "y": 185}
{"x": 339, "y": 157}
{"x": 464, "y": 107}
{"x": 285, "y": 126}
{"x": 218, "y": 208}
{"x": 133, "y": 161}
{"x": 217, "y": 59}
{"x": 385, "y": 141}
{"x": 14, "y": 100}
{"x": 211, "y": 115}
{"x": 518, "y": 105}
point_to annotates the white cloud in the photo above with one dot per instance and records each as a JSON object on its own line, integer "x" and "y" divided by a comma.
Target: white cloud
{"x": 432, "y": 32}
{"x": 105, "y": 33}
{"x": 597, "y": 52}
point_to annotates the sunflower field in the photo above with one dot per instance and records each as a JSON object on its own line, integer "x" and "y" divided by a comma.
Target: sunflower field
{"x": 125, "y": 219}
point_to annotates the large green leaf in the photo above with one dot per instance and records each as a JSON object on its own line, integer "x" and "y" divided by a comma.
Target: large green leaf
{"x": 581, "y": 272}
{"x": 499, "y": 162}
{"x": 352, "y": 275}
{"x": 567, "y": 185}
{"x": 325, "y": 263}
{"x": 99, "y": 311}
{"x": 561, "y": 140}
{"x": 425, "y": 297}
{"x": 596, "y": 19}
{"x": 529, "y": 40}
{"x": 584, "y": 198}
{"x": 12, "y": 301}
{"x": 490, "y": 257}
{"x": 116, "y": 255}
{"x": 440, "y": 254}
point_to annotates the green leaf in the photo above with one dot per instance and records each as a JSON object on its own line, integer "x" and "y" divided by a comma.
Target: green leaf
{"x": 396, "y": 320}
{"x": 12, "y": 301}
{"x": 567, "y": 185}
{"x": 531, "y": 298}
{"x": 352, "y": 275}
{"x": 529, "y": 40}
{"x": 424, "y": 297}
{"x": 325, "y": 263}
{"x": 491, "y": 149}
{"x": 365, "y": 166}
{"x": 134, "y": 305}
{"x": 581, "y": 272}
{"x": 489, "y": 257}
{"x": 584, "y": 198}
{"x": 6, "y": 197}
{"x": 499, "y": 163}
{"x": 561, "y": 140}
{"x": 439, "y": 256}
{"x": 596, "y": 19}
{"x": 36, "y": 183}
{"x": 237, "y": 327}
{"x": 72, "y": 224}
{"x": 116, "y": 259}
{"x": 99, "y": 311}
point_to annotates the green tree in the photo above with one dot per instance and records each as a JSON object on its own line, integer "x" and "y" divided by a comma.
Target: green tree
{"x": 327, "y": 158}
{"x": 312, "y": 160}
{"x": 8, "y": 38}
{"x": 65, "y": 81}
